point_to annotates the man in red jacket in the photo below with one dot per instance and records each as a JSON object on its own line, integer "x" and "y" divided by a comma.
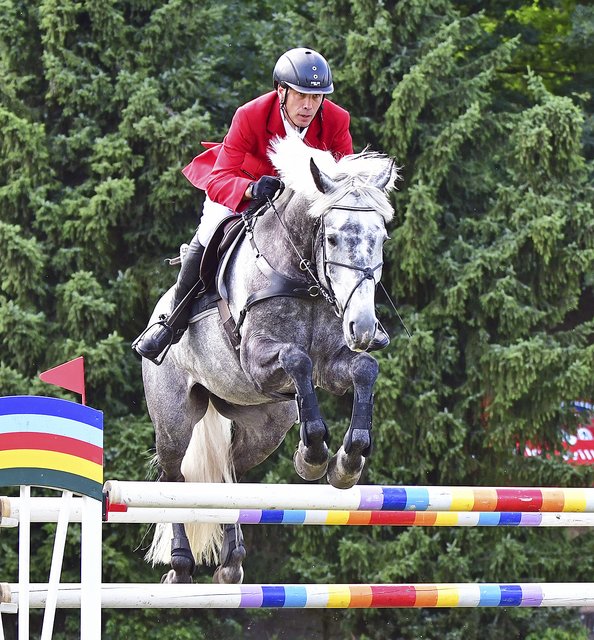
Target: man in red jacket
{"x": 238, "y": 172}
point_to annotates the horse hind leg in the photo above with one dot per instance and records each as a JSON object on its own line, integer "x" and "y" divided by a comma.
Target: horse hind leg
{"x": 181, "y": 556}
{"x": 193, "y": 445}
{"x": 346, "y": 466}
{"x": 259, "y": 430}
{"x": 174, "y": 423}
{"x": 183, "y": 563}
{"x": 233, "y": 553}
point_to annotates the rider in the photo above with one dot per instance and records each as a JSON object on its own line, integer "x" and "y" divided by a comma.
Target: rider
{"x": 238, "y": 172}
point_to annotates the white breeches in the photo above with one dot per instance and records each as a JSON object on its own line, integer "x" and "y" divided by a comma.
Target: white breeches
{"x": 212, "y": 214}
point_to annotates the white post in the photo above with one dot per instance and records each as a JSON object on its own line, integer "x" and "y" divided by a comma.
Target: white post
{"x": 24, "y": 562}
{"x": 90, "y": 570}
{"x": 56, "y": 566}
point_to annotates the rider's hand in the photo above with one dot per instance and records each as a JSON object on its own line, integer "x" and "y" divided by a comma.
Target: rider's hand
{"x": 266, "y": 187}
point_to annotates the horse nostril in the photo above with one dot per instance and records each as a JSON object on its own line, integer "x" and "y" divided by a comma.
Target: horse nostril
{"x": 352, "y": 330}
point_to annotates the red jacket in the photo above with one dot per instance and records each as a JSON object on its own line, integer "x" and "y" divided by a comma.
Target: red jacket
{"x": 225, "y": 169}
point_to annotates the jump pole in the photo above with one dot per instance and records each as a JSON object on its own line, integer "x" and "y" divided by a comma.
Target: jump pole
{"x": 46, "y": 509}
{"x": 361, "y": 497}
{"x": 323, "y": 596}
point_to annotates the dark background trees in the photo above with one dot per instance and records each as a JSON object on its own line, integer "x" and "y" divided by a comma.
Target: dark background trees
{"x": 486, "y": 107}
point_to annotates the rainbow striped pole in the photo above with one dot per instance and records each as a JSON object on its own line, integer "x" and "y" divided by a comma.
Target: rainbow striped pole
{"x": 355, "y": 518}
{"x": 358, "y": 498}
{"x": 314, "y": 596}
{"x": 44, "y": 509}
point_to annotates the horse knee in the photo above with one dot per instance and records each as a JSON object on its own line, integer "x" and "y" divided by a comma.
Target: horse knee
{"x": 364, "y": 370}
{"x": 295, "y": 361}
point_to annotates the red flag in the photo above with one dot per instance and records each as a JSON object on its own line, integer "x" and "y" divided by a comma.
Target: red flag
{"x": 70, "y": 375}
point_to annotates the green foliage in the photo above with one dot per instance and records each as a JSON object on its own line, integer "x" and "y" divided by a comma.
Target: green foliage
{"x": 486, "y": 107}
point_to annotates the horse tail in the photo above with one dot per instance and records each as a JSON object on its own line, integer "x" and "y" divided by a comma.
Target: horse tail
{"x": 207, "y": 459}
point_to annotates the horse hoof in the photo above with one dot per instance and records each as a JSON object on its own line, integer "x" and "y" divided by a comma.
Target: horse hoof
{"x": 228, "y": 575}
{"x": 307, "y": 470}
{"x": 232, "y": 571}
{"x": 341, "y": 475}
{"x": 183, "y": 564}
{"x": 172, "y": 577}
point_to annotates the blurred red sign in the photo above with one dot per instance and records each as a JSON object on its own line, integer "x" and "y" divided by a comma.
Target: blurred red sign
{"x": 578, "y": 447}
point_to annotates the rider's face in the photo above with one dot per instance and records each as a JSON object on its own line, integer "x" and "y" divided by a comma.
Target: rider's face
{"x": 301, "y": 108}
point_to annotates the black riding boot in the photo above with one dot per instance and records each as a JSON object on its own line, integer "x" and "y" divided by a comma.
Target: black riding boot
{"x": 169, "y": 330}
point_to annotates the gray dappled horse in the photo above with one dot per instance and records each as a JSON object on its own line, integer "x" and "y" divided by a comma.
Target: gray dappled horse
{"x": 223, "y": 411}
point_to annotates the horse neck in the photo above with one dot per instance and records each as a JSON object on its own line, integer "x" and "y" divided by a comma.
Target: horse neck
{"x": 286, "y": 231}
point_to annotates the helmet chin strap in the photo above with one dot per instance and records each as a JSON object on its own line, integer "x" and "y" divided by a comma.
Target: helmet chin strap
{"x": 288, "y": 117}
{"x": 283, "y": 107}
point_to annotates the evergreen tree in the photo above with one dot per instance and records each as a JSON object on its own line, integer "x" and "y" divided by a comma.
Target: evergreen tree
{"x": 490, "y": 262}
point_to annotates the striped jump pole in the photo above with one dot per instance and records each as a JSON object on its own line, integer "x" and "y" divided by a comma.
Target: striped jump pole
{"x": 45, "y": 509}
{"x": 358, "y": 498}
{"x": 314, "y": 596}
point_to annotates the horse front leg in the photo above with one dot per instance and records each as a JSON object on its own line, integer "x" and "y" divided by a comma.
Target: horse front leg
{"x": 345, "y": 467}
{"x": 311, "y": 457}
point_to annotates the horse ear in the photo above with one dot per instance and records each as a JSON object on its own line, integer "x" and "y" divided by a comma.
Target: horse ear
{"x": 322, "y": 181}
{"x": 381, "y": 181}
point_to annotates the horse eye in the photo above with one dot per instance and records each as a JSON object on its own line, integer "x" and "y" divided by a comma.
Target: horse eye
{"x": 331, "y": 240}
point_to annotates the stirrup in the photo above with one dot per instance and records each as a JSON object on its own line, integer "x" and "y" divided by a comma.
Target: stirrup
{"x": 158, "y": 359}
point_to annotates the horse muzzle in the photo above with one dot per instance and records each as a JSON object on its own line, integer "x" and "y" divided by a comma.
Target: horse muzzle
{"x": 359, "y": 331}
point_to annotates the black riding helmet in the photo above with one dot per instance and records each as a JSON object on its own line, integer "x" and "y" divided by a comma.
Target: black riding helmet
{"x": 304, "y": 70}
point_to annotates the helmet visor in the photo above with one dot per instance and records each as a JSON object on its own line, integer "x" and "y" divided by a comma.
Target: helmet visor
{"x": 310, "y": 89}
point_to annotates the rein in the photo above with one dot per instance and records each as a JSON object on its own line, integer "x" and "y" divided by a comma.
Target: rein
{"x": 280, "y": 285}
{"x": 283, "y": 285}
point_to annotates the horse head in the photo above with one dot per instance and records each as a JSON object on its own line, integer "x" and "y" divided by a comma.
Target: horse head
{"x": 348, "y": 203}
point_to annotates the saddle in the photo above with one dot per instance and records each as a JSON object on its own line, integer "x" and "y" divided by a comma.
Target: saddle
{"x": 217, "y": 254}
{"x": 226, "y": 236}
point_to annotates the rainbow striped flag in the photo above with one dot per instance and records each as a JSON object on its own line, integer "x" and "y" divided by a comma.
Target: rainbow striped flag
{"x": 49, "y": 442}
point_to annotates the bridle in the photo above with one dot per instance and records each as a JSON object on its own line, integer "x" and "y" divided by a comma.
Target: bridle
{"x": 319, "y": 237}
{"x": 311, "y": 286}
{"x": 315, "y": 286}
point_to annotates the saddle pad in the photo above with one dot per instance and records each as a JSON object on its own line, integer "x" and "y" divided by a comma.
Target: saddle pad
{"x": 205, "y": 302}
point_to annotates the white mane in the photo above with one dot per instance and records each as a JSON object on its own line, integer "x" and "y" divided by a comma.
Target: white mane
{"x": 291, "y": 157}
